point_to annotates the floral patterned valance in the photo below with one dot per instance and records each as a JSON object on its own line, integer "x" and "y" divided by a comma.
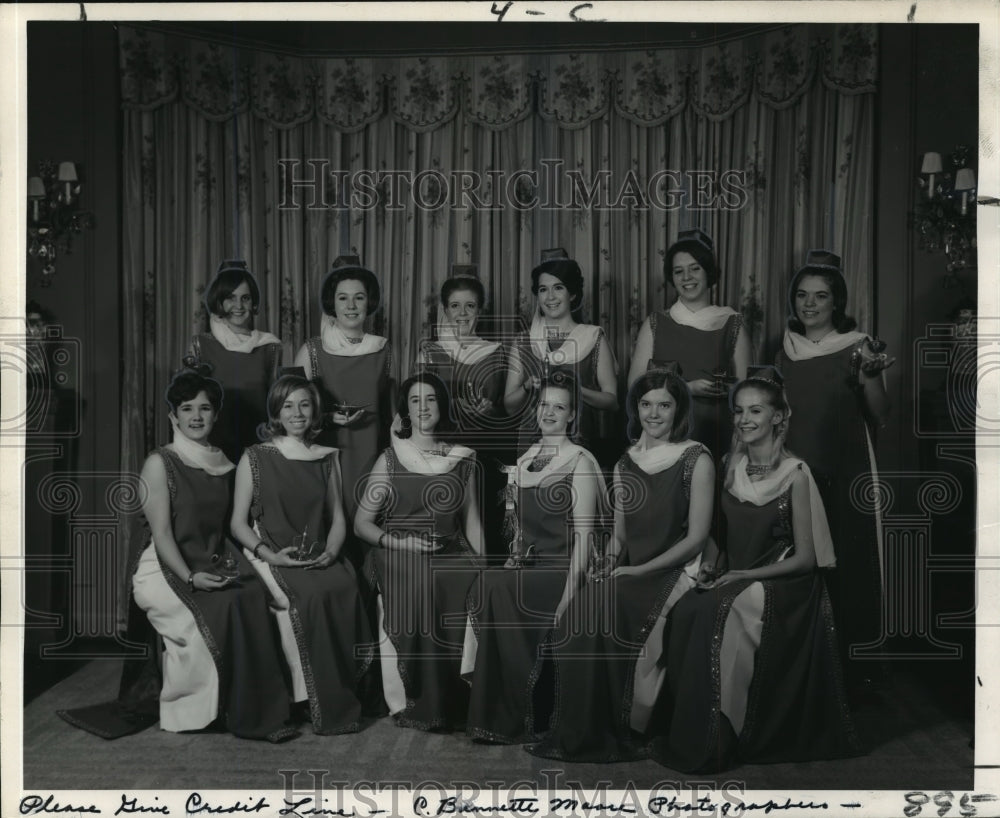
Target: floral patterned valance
{"x": 422, "y": 93}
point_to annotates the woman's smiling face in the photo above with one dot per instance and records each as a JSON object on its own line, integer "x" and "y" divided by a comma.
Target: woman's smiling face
{"x": 689, "y": 278}
{"x": 553, "y": 297}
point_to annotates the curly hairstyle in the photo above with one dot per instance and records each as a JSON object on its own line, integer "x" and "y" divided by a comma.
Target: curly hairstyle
{"x": 678, "y": 390}
{"x": 445, "y": 425}
{"x": 569, "y": 273}
{"x": 279, "y": 392}
{"x": 189, "y": 381}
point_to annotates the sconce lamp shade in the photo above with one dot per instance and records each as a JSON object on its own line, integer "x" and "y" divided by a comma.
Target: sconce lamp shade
{"x": 36, "y": 188}
{"x": 932, "y": 163}
{"x": 965, "y": 179}
{"x": 67, "y": 172}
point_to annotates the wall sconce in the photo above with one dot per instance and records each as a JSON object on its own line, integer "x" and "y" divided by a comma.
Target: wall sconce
{"x": 54, "y": 214}
{"x": 942, "y": 221}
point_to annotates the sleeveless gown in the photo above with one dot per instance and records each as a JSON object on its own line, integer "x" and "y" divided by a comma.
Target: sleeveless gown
{"x": 246, "y": 378}
{"x": 423, "y": 595}
{"x": 731, "y": 700}
{"x": 700, "y": 352}
{"x": 333, "y": 641}
{"x": 230, "y": 628}
{"x": 834, "y": 444}
{"x": 511, "y": 613}
{"x": 607, "y": 626}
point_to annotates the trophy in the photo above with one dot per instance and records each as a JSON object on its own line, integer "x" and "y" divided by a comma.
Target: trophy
{"x": 602, "y": 562}
{"x": 226, "y": 565}
{"x": 304, "y": 549}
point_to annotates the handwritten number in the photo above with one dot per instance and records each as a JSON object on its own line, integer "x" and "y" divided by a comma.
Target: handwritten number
{"x": 501, "y": 12}
{"x": 915, "y": 801}
{"x": 944, "y": 801}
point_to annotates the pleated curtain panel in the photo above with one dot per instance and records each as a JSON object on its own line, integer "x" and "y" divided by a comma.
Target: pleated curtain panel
{"x": 766, "y": 142}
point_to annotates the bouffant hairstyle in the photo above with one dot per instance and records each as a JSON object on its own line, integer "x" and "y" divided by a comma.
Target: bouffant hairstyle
{"x": 568, "y": 272}
{"x": 280, "y": 390}
{"x": 445, "y": 424}
{"x": 191, "y": 380}
{"x": 699, "y": 252}
{"x": 328, "y": 292}
{"x": 842, "y": 322}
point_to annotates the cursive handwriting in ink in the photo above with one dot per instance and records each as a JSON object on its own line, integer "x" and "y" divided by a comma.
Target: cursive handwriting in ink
{"x": 196, "y": 804}
{"x": 36, "y": 804}
{"x": 131, "y": 805}
{"x": 300, "y": 808}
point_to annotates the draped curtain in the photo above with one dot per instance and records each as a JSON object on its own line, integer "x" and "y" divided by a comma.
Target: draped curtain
{"x": 775, "y": 133}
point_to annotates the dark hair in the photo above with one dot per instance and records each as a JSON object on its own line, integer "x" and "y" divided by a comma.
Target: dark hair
{"x": 445, "y": 424}
{"x": 678, "y": 390}
{"x": 192, "y": 379}
{"x": 276, "y": 397}
{"x": 699, "y": 252}
{"x": 458, "y": 283}
{"x": 569, "y": 273}
{"x": 328, "y": 292}
{"x": 842, "y": 322}
{"x": 224, "y": 285}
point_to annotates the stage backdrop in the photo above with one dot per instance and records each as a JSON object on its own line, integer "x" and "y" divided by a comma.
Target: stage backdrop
{"x": 774, "y": 132}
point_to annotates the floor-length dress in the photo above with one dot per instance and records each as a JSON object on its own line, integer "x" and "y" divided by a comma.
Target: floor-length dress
{"x": 221, "y": 654}
{"x": 700, "y": 352}
{"x": 246, "y": 377}
{"x": 615, "y": 625}
{"x": 753, "y": 672}
{"x": 422, "y": 596}
{"x": 489, "y": 434}
{"x": 359, "y": 381}
{"x": 325, "y": 628}
{"x": 836, "y": 444}
{"x": 582, "y": 360}
{"x": 511, "y": 610}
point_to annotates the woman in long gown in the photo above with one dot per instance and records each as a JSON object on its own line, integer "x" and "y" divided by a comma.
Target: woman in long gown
{"x": 753, "y": 673}
{"x": 558, "y": 341}
{"x": 289, "y": 490}
{"x": 475, "y": 371}
{"x": 833, "y": 377}
{"x": 607, "y": 648}
{"x": 559, "y": 494}
{"x": 244, "y": 360}
{"x": 222, "y": 657}
{"x": 707, "y": 341}
{"x": 420, "y": 514}
{"x": 351, "y": 370}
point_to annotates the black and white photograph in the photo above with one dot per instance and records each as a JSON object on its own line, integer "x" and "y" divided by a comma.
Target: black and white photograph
{"x": 521, "y": 408}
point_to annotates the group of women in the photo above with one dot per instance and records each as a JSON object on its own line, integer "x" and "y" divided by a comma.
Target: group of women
{"x": 337, "y": 534}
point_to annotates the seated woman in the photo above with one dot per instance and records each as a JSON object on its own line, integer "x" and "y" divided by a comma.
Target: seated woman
{"x": 558, "y": 509}
{"x": 752, "y": 667}
{"x": 289, "y": 488}
{"x": 420, "y": 510}
{"x": 222, "y": 657}
{"x": 607, "y": 647}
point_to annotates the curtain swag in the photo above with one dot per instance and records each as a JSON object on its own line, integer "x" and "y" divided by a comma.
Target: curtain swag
{"x": 647, "y": 87}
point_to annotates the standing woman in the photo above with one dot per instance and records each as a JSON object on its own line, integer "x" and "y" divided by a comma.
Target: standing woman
{"x": 243, "y": 359}
{"x": 833, "y": 376}
{"x": 351, "y": 371}
{"x": 474, "y": 371}
{"x": 559, "y": 509}
{"x": 607, "y": 648}
{"x": 557, "y": 341}
{"x": 420, "y": 513}
{"x": 221, "y": 656}
{"x": 707, "y": 341}
{"x": 752, "y": 668}
{"x": 289, "y": 489}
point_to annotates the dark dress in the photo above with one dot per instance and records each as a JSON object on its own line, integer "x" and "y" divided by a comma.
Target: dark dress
{"x": 511, "y": 611}
{"x": 587, "y": 431}
{"x": 246, "y": 378}
{"x": 423, "y": 596}
{"x": 700, "y": 352}
{"x": 235, "y": 621}
{"x": 329, "y": 619}
{"x": 834, "y": 444}
{"x": 796, "y": 707}
{"x": 488, "y": 434}
{"x": 359, "y": 380}
{"x": 606, "y": 626}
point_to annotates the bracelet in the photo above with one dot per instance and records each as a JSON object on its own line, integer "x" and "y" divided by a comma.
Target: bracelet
{"x": 190, "y": 581}
{"x": 256, "y": 549}
{"x": 381, "y": 539}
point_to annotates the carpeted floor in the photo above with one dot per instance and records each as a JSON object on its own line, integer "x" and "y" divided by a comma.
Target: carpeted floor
{"x": 912, "y": 741}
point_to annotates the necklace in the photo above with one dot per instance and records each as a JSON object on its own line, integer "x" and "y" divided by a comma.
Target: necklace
{"x": 757, "y": 470}
{"x": 354, "y": 340}
{"x": 540, "y": 462}
{"x": 439, "y": 450}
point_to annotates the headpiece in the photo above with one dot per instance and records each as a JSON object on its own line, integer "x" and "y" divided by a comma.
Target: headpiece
{"x": 554, "y": 254}
{"x": 696, "y": 235}
{"x": 767, "y": 374}
{"x": 824, "y": 260}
